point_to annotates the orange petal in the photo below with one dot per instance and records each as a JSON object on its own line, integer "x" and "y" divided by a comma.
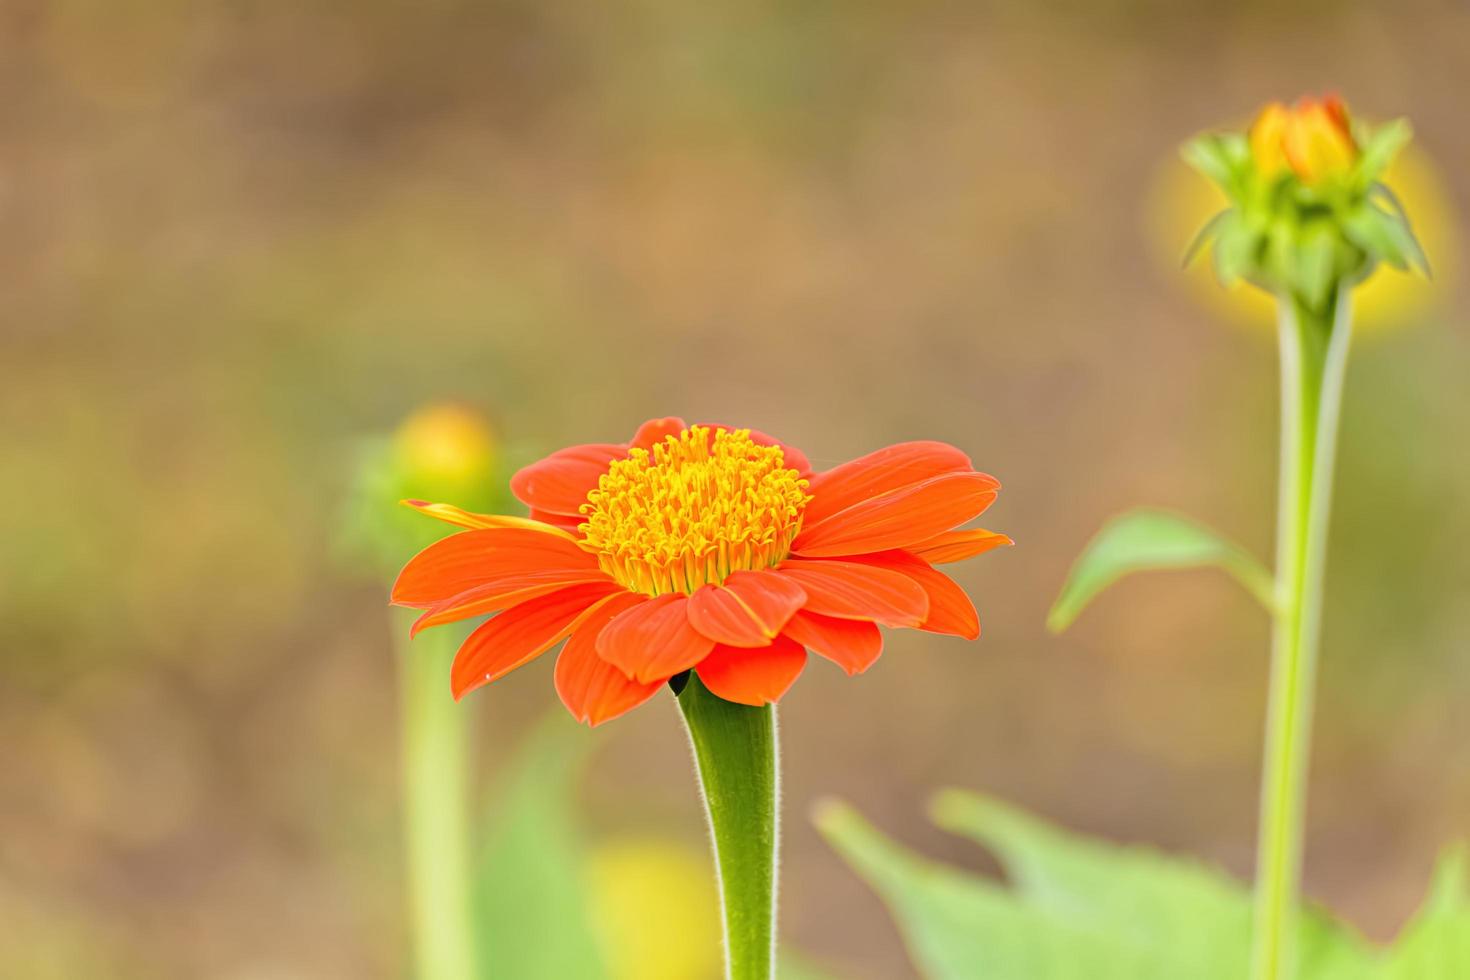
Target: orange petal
{"x": 655, "y": 431}
{"x": 502, "y": 593}
{"x": 519, "y": 635}
{"x": 854, "y": 591}
{"x": 747, "y": 610}
{"x": 464, "y": 518}
{"x": 559, "y": 483}
{"x": 852, "y": 644}
{"x": 881, "y": 472}
{"x": 950, "y": 610}
{"x": 654, "y": 640}
{"x": 472, "y": 558}
{"x": 900, "y": 517}
{"x": 753, "y": 677}
{"x": 958, "y": 545}
{"x": 593, "y": 690}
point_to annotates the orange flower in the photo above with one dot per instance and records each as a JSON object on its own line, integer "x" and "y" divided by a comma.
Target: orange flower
{"x": 702, "y": 548}
{"x": 1314, "y": 138}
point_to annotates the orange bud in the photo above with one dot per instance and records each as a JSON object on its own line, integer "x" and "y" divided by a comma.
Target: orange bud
{"x": 1313, "y": 137}
{"x": 1266, "y": 137}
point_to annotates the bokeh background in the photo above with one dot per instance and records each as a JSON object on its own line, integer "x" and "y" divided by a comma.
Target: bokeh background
{"x": 236, "y": 238}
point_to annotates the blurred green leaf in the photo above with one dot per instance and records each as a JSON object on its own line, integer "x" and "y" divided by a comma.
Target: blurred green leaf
{"x": 1436, "y": 945}
{"x": 1080, "y": 910}
{"x": 1147, "y": 540}
{"x": 794, "y": 966}
{"x": 958, "y": 927}
{"x": 1139, "y": 892}
{"x": 533, "y": 912}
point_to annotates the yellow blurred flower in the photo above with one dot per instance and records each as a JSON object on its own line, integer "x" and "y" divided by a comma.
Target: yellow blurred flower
{"x": 656, "y": 910}
{"x": 444, "y": 444}
{"x": 1181, "y": 202}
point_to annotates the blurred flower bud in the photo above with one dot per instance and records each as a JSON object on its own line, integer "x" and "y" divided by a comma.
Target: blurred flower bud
{"x": 440, "y": 452}
{"x": 444, "y": 446}
{"x": 1313, "y": 138}
{"x": 1308, "y": 213}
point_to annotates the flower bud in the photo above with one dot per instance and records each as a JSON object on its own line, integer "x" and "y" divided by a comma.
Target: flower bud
{"x": 1313, "y": 138}
{"x": 444, "y": 444}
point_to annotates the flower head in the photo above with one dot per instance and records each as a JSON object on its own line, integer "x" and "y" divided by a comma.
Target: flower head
{"x": 1308, "y": 211}
{"x": 702, "y": 548}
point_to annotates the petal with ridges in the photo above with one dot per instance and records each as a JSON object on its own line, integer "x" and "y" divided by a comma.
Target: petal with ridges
{"x": 881, "y": 472}
{"x": 852, "y": 644}
{"x": 748, "y": 609}
{"x": 464, "y": 518}
{"x": 519, "y": 635}
{"x": 855, "y": 591}
{"x": 472, "y": 558}
{"x": 958, "y": 545}
{"x": 503, "y": 593}
{"x": 559, "y": 484}
{"x": 753, "y": 677}
{"x": 899, "y": 518}
{"x": 950, "y": 610}
{"x": 593, "y": 690}
{"x": 654, "y": 639}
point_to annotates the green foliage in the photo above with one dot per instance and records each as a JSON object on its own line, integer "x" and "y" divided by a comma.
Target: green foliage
{"x": 1080, "y": 909}
{"x": 1147, "y": 539}
{"x": 1436, "y": 945}
{"x": 533, "y": 916}
{"x": 1288, "y": 237}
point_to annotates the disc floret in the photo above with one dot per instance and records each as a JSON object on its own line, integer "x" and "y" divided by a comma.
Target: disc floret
{"x": 698, "y": 506}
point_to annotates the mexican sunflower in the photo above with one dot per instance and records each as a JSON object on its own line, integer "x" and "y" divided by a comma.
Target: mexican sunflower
{"x": 702, "y": 548}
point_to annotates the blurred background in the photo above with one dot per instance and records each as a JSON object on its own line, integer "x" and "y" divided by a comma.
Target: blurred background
{"x": 237, "y": 238}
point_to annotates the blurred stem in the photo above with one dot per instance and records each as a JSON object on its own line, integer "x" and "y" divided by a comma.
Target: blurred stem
{"x": 436, "y": 807}
{"x": 735, "y": 749}
{"x": 1314, "y": 349}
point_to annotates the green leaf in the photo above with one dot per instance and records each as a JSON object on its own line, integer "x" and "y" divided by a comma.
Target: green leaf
{"x": 1436, "y": 944}
{"x": 1080, "y": 910}
{"x": 532, "y": 909}
{"x": 1138, "y": 892}
{"x": 794, "y": 966}
{"x": 958, "y": 927}
{"x": 1147, "y": 539}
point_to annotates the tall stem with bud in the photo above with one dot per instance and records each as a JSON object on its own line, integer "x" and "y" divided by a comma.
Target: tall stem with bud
{"x": 1314, "y": 349}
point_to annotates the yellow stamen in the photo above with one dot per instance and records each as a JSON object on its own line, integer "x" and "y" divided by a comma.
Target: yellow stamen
{"x": 701, "y": 505}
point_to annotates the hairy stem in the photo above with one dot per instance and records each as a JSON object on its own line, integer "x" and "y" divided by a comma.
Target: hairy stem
{"x": 735, "y": 750}
{"x": 1314, "y": 350}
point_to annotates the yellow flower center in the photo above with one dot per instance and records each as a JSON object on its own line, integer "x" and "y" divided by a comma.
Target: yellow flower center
{"x": 701, "y": 505}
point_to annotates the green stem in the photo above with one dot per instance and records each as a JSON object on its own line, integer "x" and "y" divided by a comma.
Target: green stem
{"x": 436, "y": 809}
{"x": 1314, "y": 350}
{"x": 735, "y": 749}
